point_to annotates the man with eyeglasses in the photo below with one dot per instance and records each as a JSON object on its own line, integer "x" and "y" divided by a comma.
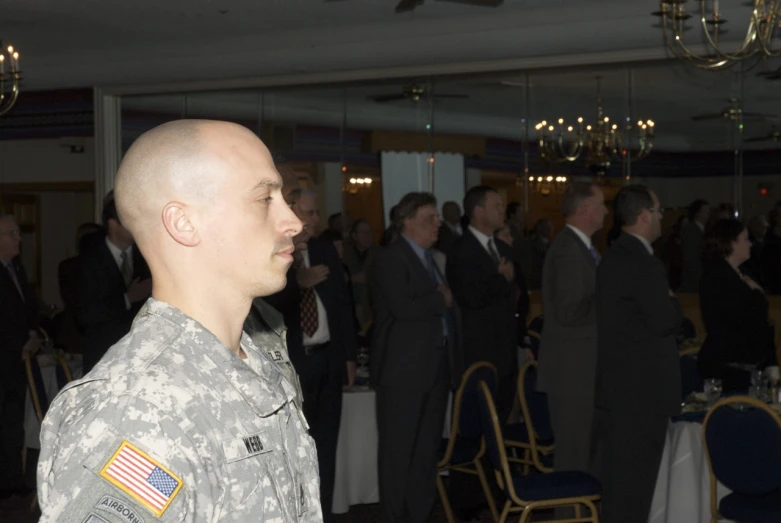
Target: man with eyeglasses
{"x": 18, "y": 336}
{"x": 638, "y": 383}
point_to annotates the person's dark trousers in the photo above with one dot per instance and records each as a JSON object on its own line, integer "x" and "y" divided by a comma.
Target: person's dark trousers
{"x": 12, "y": 395}
{"x": 632, "y": 444}
{"x": 409, "y": 423}
{"x": 322, "y": 375}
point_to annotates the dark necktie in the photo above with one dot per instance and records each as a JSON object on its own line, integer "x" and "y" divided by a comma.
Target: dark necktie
{"x": 127, "y": 272}
{"x": 595, "y": 254}
{"x": 309, "y": 317}
{"x": 14, "y": 278}
{"x": 492, "y": 250}
{"x": 432, "y": 268}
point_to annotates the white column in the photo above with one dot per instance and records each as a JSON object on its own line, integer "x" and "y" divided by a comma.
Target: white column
{"x": 108, "y": 144}
{"x": 332, "y": 187}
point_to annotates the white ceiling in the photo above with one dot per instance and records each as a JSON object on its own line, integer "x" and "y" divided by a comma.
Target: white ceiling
{"x": 76, "y": 43}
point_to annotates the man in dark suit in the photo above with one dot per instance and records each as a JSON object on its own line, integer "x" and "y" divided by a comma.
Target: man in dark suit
{"x": 691, "y": 245}
{"x": 540, "y": 242}
{"x": 484, "y": 287}
{"x": 450, "y": 230}
{"x": 568, "y": 360}
{"x": 114, "y": 282}
{"x": 18, "y": 324}
{"x": 414, "y": 361}
{"x": 321, "y": 338}
{"x": 638, "y": 370}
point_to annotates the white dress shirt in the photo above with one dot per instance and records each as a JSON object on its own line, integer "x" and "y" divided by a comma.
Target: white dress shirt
{"x": 322, "y": 334}
{"x": 585, "y": 239}
{"x": 117, "y": 254}
{"x": 483, "y": 239}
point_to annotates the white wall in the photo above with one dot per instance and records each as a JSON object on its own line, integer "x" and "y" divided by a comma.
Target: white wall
{"x": 46, "y": 160}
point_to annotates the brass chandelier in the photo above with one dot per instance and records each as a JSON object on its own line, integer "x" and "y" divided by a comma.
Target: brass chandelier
{"x": 601, "y": 141}
{"x": 764, "y": 22}
{"x": 9, "y": 78}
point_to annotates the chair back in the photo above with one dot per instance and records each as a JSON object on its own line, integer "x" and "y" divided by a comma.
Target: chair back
{"x": 743, "y": 445}
{"x": 534, "y": 404}
{"x": 466, "y": 404}
{"x": 494, "y": 440}
{"x": 535, "y": 335}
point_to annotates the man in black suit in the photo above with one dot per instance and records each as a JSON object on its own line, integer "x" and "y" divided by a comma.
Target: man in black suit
{"x": 18, "y": 324}
{"x": 450, "y": 230}
{"x": 568, "y": 361}
{"x": 483, "y": 282}
{"x": 321, "y": 338}
{"x": 114, "y": 282}
{"x": 414, "y": 361}
{"x": 691, "y": 245}
{"x": 638, "y": 383}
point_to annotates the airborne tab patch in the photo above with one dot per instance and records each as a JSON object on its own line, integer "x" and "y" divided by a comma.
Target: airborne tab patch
{"x": 142, "y": 478}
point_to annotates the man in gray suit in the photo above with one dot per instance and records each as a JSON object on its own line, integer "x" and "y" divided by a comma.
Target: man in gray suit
{"x": 414, "y": 361}
{"x": 691, "y": 245}
{"x": 568, "y": 350}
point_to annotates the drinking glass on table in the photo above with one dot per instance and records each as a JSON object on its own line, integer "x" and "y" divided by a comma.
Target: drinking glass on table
{"x": 713, "y": 390}
{"x": 363, "y": 356}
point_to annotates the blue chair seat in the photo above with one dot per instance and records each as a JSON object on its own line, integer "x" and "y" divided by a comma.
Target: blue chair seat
{"x": 518, "y": 432}
{"x": 752, "y": 509}
{"x": 464, "y": 450}
{"x": 556, "y": 485}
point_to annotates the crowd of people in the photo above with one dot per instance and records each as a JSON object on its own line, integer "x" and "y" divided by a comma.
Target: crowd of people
{"x": 226, "y": 380}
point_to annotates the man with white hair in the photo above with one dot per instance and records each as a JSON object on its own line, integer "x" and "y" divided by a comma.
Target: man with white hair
{"x": 185, "y": 418}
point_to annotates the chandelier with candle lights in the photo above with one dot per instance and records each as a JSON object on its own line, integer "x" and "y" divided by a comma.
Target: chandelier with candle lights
{"x": 764, "y": 22}
{"x": 547, "y": 185}
{"x": 602, "y": 142}
{"x": 9, "y": 78}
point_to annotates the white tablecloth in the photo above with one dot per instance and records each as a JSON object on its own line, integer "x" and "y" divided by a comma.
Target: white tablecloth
{"x": 682, "y": 492}
{"x": 356, "y": 453}
{"x": 32, "y": 427}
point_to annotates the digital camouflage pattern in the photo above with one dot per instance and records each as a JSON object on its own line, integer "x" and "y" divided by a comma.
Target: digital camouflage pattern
{"x": 227, "y": 428}
{"x": 266, "y": 327}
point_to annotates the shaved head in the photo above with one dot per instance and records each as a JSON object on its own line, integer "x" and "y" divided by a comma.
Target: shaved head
{"x": 203, "y": 201}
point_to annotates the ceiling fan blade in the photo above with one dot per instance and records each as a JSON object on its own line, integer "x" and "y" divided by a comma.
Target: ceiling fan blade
{"x": 759, "y": 116}
{"x": 481, "y": 3}
{"x": 407, "y": 5}
{"x": 388, "y": 98}
{"x": 758, "y": 139}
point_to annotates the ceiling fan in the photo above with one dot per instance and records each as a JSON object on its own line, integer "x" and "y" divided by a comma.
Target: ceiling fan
{"x": 771, "y": 75}
{"x": 409, "y": 5}
{"x": 732, "y": 112}
{"x": 773, "y": 136}
{"x": 414, "y": 93}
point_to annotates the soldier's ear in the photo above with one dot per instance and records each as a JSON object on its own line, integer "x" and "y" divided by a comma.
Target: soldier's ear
{"x": 179, "y": 224}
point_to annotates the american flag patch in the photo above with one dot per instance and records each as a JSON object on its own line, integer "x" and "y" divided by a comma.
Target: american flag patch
{"x": 141, "y": 477}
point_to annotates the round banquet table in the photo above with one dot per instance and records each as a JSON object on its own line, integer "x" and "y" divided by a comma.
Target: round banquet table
{"x": 682, "y": 493}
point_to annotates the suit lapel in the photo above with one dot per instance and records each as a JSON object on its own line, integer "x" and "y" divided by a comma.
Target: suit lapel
{"x": 581, "y": 247}
{"x": 110, "y": 265}
{"x": 9, "y": 284}
{"x": 479, "y": 251}
{"x": 414, "y": 261}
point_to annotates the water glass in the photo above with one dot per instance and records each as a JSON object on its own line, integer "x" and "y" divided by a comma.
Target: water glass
{"x": 363, "y": 356}
{"x": 713, "y": 390}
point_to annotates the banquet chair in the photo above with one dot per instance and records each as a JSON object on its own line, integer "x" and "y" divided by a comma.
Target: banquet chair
{"x": 743, "y": 446}
{"x": 537, "y": 442}
{"x": 465, "y": 448}
{"x": 525, "y": 494}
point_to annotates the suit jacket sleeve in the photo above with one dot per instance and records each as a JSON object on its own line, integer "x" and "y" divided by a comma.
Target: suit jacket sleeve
{"x": 573, "y": 305}
{"x": 661, "y": 311}
{"x": 345, "y": 313}
{"x": 97, "y": 305}
{"x": 392, "y": 285}
{"x": 472, "y": 286}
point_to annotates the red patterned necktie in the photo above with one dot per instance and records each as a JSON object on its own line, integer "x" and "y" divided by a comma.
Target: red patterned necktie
{"x": 309, "y": 320}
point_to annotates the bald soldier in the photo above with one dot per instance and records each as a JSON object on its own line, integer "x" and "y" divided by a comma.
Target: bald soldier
{"x": 186, "y": 419}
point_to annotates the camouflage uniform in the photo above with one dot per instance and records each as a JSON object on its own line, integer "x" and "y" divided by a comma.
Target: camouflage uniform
{"x": 217, "y": 438}
{"x": 266, "y": 327}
